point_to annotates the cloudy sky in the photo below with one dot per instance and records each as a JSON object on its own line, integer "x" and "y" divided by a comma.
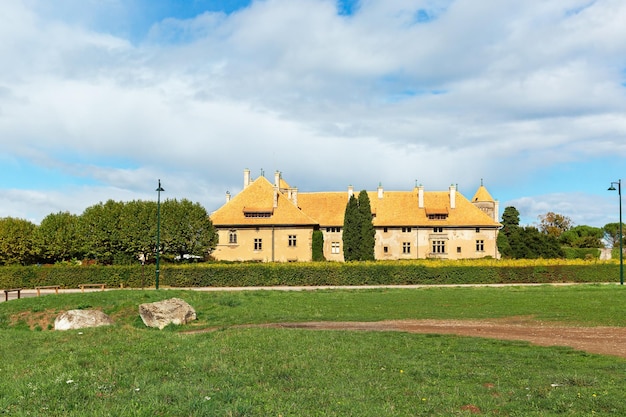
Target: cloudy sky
{"x": 101, "y": 98}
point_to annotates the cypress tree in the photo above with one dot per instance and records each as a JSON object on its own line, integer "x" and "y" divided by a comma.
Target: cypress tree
{"x": 366, "y": 232}
{"x": 351, "y": 230}
{"x": 318, "y": 246}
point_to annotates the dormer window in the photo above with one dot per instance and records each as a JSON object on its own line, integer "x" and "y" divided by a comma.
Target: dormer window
{"x": 257, "y": 212}
{"x": 437, "y": 213}
{"x": 438, "y": 216}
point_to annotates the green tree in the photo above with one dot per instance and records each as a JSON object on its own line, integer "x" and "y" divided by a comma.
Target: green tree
{"x": 611, "y": 234}
{"x": 554, "y": 224}
{"x": 58, "y": 238}
{"x": 351, "y": 231}
{"x": 510, "y": 217}
{"x": 17, "y": 242}
{"x": 138, "y": 220}
{"x": 525, "y": 242}
{"x": 504, "y": 247}
{"x": 358, "y": 230}
{"x": 100, "y": 227}
{"x": 186, "y": 229}
{"x": 317, "y": 246}
{"x": 583, "y": 237}
{"x": 508, "y": 240}
{"x": 367, "y": 232}
{"x": 539, "y": 245}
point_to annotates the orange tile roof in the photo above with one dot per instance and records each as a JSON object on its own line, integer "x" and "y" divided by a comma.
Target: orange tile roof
{"x": 283, "y": 184}
{"x": 259, "y": 197}
{"x": 327, "y": 208}
{"x": 482, "y": 195}
{"x": 396, "y": 208}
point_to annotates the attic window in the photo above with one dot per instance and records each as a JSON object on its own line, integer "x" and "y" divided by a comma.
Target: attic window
{"x": 437, "y": 213}
{"x": 257, "y": 212}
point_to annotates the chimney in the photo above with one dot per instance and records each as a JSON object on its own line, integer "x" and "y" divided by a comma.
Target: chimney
{"x": 420, "y": 196}
{"x": 452, "y": 196}
{"x": 294, "y": 196}
{"x": 277, "y": 179}
{"x": 227, "y": 196}
{"x": 350, "y": 191}
{"x": 380, "y": 191}
{"x": 496, "y": 210}
{"x": 246, "y": 177}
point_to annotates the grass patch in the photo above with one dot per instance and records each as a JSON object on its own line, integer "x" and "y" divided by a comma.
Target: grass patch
{"x": 589, "y": 305}
{"x": 129, "y": 370}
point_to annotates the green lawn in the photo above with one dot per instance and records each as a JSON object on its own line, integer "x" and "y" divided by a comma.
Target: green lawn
{"x": 128, "y": 370}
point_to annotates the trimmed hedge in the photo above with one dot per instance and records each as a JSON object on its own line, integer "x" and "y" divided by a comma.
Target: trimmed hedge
{"x": 582, "y": 253}
{"x": 305, "y": 274}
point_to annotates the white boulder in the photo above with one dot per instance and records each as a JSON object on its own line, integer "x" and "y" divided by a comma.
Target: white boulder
{"x": 78, "y": 319}
{"x": 162, "y": 313}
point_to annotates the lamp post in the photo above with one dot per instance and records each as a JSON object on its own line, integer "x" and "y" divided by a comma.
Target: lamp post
{"x": 621, "y": 252}
{"x": 158, "y": 244}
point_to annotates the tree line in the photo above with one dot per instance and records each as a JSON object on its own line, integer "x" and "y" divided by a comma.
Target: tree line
{"x": 553, "y": 233}
{"x": 110, "y": 233}
{"x": 125, "y": 232}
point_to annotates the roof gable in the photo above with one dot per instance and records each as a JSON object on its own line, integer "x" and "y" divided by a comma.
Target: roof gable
{"x": 254, "y": 205}
{"x": 482, "y": 195}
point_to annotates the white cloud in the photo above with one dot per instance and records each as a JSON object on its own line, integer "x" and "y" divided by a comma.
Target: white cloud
{"x": 483, "y": 89}
{"x": 582, "y": 208}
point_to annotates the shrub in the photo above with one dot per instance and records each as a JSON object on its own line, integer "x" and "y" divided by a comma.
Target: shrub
{"x": 487, "y": 271}
{"x": 581, "y": 253}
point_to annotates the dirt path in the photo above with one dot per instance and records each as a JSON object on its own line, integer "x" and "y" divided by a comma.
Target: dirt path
{"x": 601, "y": 340}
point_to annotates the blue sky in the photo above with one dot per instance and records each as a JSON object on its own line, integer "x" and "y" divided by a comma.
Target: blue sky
{"x": 101, "y": 98}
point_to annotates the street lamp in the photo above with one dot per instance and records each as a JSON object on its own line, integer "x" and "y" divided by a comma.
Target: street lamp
{"x": 158, "y": 245}
{"x": 621, "y": 252}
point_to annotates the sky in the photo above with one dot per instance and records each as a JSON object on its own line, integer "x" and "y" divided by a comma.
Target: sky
{"x": 99, "y": 99}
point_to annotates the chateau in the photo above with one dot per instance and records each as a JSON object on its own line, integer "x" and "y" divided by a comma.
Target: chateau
{"x": 274, "y": 222}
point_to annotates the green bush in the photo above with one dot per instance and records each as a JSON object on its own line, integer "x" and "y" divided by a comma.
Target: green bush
{"x": 306, "y": 274}
{"x": 581, "y": 253}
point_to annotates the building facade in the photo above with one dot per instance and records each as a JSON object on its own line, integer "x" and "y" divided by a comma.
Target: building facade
{"x": 273, "y": 222}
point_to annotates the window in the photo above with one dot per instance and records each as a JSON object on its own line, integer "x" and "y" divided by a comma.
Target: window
{"x": 458, "y": 249}
{"x": 439, "y": 246}
{"x": 437, "y": 229}
{"x": 385, "y": 249}
{"x": 334, "y": 247}
{"x": 406, "y": 230}
{"x": 406, "y": 247}
{"x": 478, "y": 230}
{"x": 257, "y": 214}
{"x": 292, "y": 240}
{"x": 333, "y": 229}
{"x": 384, "y": 230}
{"x": 438, "y": 216}
{"x": 232, "y": 237}
{"x": 480, "y": 245}
{"x": 258, "y": 244}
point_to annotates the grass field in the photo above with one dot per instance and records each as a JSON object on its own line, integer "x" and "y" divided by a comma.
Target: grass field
{"x": 129, "y": 370}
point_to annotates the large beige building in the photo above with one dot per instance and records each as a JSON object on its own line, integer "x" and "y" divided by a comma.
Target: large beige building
{"x": 274, "y": 222}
